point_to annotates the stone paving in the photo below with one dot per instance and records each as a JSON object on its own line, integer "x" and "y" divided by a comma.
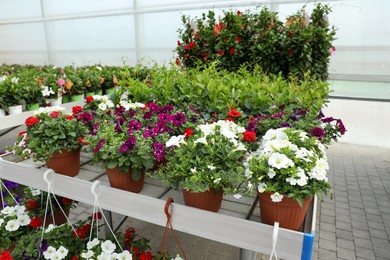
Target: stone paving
{"x": 355, "y": 224}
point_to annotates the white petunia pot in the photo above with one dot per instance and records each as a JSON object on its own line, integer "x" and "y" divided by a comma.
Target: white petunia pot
{"x": 13, "y": 110}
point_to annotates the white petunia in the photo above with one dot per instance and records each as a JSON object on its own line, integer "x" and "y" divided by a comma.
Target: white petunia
{"x": 277, "y": 134}
{"x": 193, "y": 170}
{"x": 240, "y": 147}
{"x": 207, "y": 129}
{"x": 35, "y": 192}
{"x": 276, "y": 197}
{"x": 278, "y": 160}
{"x": 217, "y": 180}
{"x": 228, "y": 134}
{"x": 47, "y": 91}
{"x": 110, "y": 104}
{"x": 12, "y": 225}
{"x": 322, "y": 164}
{"x": 14, "y": 80}
{"x": 211, "y": 167}
{"x": 237, "y": 196}
{"x": 93, "y": 243}
{"x": 56, "y": 256}
{"x": 125, "y": 255}
{"x": 201, "y": 140}
{"x": 248, "y": 173}
{"x": 49, "y": 252}
{"x": 102, "y": 106}
{"x": 175, "y": 141}
{"x": 3, "y": 78}
{"x": 49, "y": 228}
{"x": 108, "y": 247}
{"x": 261, "y": 187}
{"x": 87, "y": 255}
{"x": 177, "y": 257}
{"x": 8, "y": 210}
{"x": 1, "y": 222}
{"x": 24, "y": 219}
{"x": 271, "y": 173}
{"x": 104, "y": 256}
{"x": 62, "y": 251}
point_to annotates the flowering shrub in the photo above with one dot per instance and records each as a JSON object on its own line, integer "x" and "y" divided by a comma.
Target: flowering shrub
{"x": 50, "y": 130}
{"x": 210, "y": 156}
{"x": 259, "y": 38}
{"x": 132, "y": 135}
{"x": 289, "y": 162}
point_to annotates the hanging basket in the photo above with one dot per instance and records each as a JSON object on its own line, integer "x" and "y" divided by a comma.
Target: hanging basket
{"x": 287, "y": 212}
{"x": 132, "y": 181}
{"x": 208, "y": 200}
{"x": 65, "y": 163}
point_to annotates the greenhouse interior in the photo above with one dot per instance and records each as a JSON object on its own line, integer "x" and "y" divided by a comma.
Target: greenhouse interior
{"x": 283, "y": 107}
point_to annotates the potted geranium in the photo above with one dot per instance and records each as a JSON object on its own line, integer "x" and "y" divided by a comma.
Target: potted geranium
{"x": 287, "y": 170}
{"x": 206, "y": 161}
{"x": 53, "y": 136}
{"x": 129, "y": 139}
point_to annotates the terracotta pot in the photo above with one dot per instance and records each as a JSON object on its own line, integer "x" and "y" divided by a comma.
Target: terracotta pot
{"x": 132, "y": 181}
{"x": 208, "y": 200}
{"x": 59, "y": 217}
{"x": 65, "y": 163}
{"x": 287, "y": 212}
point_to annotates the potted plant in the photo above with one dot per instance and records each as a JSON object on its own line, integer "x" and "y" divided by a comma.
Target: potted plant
{"x": 287, "y": 170}
{"x": 53, "y": 136}
{"x": 128, "y": 140}
{"x": 206, "y": 161}
{"x": 73, "y": 83}
{"x": 12, "y": 95}
{"x": 31, "y": 92}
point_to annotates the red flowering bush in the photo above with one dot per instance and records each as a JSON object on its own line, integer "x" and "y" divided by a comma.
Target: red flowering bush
{"x": 50, "y": 130}
{"x": 259, "y": 38}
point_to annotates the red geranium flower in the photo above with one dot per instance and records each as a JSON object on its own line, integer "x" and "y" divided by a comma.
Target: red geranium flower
{"x": 229, "y": 119}
{"x": 233, "y": 112}
{"x": 81, "y": 141}
{"x": 32, "y": 120}
{"x": 249, "y": 136}
{"x": 69, "y": 117}
{"x": 232, "y": 50}
{"x": 89, "y": 99}
{"x": 31, "y": 204}
{"x": 146, "y": 256}
{"x": 55, "y": 114}
{"x": 22, "y": 133}
{"x": 238, "y": 39}
{"x": 188, "y": 132}
{"x": 36, "y": 222}
{"x": 220, "y": 52}
{"x": 76, "y": 109}
{"x": 177, "y": 61}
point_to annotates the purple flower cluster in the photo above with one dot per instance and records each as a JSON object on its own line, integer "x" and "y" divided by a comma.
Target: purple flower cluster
{"x": 158, "y": 151}
{"x": 99, "y": 146}
{"x": 128, "y": 145}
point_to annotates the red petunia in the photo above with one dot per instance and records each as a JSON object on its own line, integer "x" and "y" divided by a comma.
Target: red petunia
{"x": 146, "y": 256}
{"x": 36, "y": 222}
{"x": 81, "y": 141}
{"x": 55, "y": 114}
{"x": 69, "y": 117}
{"x": 22, "y": 133}
{"x": 97, "y": 215}
{"x": 233, "y": 112}
{"x": 76, "y": 110}
{"x": 220, "y": 52}
{"x": 177, "y": 61}
{"x": 238, "y": 39}
{"x": 178, "y": 43}
{"x": 188, "y": 132}
{"x": 289, "y": 34}
{"x": 32, "y": 120}
{"x": 238, "y": 12}
{"x": 229, "y": 119}
{"x": 89, "y": 99}
{"x": 75, "y": 258}
{"x": 249, "y": 136}
{"x": 31, "y": 204}
{"x": 232, "y": 50}
{"x": 5, "y": 255}
{"x": 66, "y": 201}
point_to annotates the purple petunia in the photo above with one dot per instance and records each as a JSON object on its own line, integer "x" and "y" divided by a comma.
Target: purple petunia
{"x": 167, "y": 108}
{"x": 85, "y": 117}
{"x": 161, "y": 127}
{"x": 252, "y": 125}
{"x": 341, "y": 126}
{"x": 149, "y": 132}
{"x": 134, "y": 125}
{"x": 294, "y": 118}
{"x": 119, "y": 111}
{"x": 320, "y": 115}
{"x": 302, "y": 112}
{"x": 285, "y": 124}
{"x": 148, "y": 114}
{"x": 99, "y": 146}
{"x": 158, "y": 151}
{"x": 318, "y": 132}
{"x": 131, "y": 113}
{"x": 128, "y": 145}
{"x": 43, "y": 246}
{"x": 153, "y": 107}
{"x": 327, "y": 119}
{"x": 178, "y": 119}
{"x": 164, "y": 117}
{"x": 278, "y": 115}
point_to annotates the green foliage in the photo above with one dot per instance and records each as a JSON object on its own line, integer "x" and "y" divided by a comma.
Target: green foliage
{"x": 259, "y": 39}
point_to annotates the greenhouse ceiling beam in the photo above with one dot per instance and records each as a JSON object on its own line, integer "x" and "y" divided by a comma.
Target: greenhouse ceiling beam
{"x": 148, "y": 10}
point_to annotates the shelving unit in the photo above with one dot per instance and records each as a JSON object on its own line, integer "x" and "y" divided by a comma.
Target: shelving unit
{"x": 237, "y": 223}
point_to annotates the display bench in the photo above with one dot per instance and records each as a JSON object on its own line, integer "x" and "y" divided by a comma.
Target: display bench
{"x": 237, "y": 223}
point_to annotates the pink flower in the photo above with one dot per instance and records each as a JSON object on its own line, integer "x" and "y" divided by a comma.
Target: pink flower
{"x": 61, "y": 82}
{"x": 332, "y": 50}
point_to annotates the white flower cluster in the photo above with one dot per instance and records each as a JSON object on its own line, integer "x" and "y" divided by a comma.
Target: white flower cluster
{"x": 14, "y": 217}
{"x": 273, "y": 143}
{"x": 48, "y": 110}
{"x": 46, "y": 91}
{"x": 107, "y": 249}
{"x": 105, "y": 102}
{"x": 55, "y": 254}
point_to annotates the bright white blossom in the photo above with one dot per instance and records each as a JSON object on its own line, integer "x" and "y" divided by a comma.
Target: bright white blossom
{"x": 62, "y": 251}
{"x": 49, "y": 252}
{"x": 201, "y": 140}
{"x": 177, "y": 257}
{"x": 93, "y": 243}
{"x": 193, "y": 170}
{"x": 46, "y": 91}
{"x": 261, "y": 187}
{"x": 278, "y": 160}
{"x": 102, "y": 106}
{"x": 271, "y": 173}
{"x": 276, "y": 197}
{"x": 24, "y": 219}
{"x": 175, "y": 141}
{"x": 211, "y": 167}
{"x": 12, "y": 225}
{"x": 108, "y": 246}
{"x": 125, "y": 255}
{"x": 87, "y": 254}
{"x": 217, "y": 180}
